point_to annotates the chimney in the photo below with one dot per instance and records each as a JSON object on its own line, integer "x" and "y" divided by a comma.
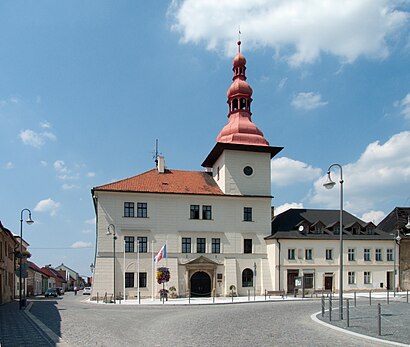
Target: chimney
{"x": 161, "y": 164}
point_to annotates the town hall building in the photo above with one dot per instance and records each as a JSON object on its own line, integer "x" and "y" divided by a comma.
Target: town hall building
{"x": 213, "y": 222}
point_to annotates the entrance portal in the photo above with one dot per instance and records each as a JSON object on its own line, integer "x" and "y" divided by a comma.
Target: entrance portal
{"x": 200, "y": 284}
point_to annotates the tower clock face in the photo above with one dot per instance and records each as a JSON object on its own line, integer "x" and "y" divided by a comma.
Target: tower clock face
{"x": 247, "y": 170}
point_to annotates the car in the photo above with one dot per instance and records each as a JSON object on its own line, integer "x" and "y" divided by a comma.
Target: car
{"x": 87, "y": 291}
{"x": 60, "y": 291}
{"x": 51, "y": 292}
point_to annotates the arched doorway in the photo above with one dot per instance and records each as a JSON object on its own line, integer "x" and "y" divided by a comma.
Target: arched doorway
{"x": 200, "y": 284}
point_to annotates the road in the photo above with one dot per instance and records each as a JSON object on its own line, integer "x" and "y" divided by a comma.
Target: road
{"x": 280, "y": 323}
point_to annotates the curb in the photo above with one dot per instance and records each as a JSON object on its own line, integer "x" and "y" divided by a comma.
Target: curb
{"x": 366, "y": 337}
{"x": 51, "y": 334}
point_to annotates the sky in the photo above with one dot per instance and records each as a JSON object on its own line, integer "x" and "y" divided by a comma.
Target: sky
{"x": 88, "y": 86}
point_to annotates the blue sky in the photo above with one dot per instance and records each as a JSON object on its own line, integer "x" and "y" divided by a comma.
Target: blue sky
{"x": 87, "y": 86}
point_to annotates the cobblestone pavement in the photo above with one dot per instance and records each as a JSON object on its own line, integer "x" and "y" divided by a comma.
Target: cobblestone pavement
{"x": 16, "y": 329}
{"x": 280, "y": 323}
{"x": 363, "y": 317}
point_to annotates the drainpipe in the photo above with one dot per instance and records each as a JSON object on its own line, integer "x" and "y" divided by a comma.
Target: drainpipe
{"x": 279, "y": 262}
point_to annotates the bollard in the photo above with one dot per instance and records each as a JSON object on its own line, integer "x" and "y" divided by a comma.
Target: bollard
{"x": 354, "y": 299}
{"x": 232, "y": 294}
{"x": 347, "y": 312}
{"x": 323, "y": 306}
{"x": 370, "y": 297}
{"x": 213, "y": 296}
{"x": 139, "y": 298}
{"x": 330, "y": 308}
{"x": 189, "y": 297}
{"x": 388, "y": 296}
{"x": 407, "y": 295}
{"x": 254, "y": 293}
{"x": 379, "y": 320}
{"x": 249, "y": 296}
{"x": 97, "y": 298}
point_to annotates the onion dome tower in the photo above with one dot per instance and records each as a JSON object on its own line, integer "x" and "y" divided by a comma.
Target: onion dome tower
{"x": 240, "y": 160}
{"x": 240, "y": 128}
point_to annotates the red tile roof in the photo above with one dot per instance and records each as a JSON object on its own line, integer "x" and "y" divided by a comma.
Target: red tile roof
{"x": 171, "y": 181}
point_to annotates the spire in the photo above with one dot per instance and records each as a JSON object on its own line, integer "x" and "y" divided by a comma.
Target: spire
{"x": 240, "y": 128}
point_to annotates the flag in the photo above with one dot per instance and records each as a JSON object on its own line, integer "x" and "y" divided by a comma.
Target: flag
{"x": 162, "y": 253}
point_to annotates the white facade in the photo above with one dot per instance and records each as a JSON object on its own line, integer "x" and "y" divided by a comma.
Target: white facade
{"x": 358, "y": 274}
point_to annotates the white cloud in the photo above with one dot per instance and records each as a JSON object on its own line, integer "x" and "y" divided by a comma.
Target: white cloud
{"x": 287, "y": 206}
{"x": 67, "y": 186}
{"x": 47, "y": 205}
{"x": 43, "y": 163}
{"x": 9, "y": 165}
{"x": 81, "y": 244}
{"x": 14, "y": 100}
{"x": 91, "y": 221}
{"x": 377, "y": 177}
{"x": 373, "y": 216}
{"x": 90, "y": 174}
{"x": 287, "y": 171}
{"x": 307, "y": 101}
{"x": 45, "y": 125}
{"x": 282, "y": 83}
{"x": 30, "y": 137}
{"x": 298, "y": 30}
{"x": 405, "y": 106}
{"x": 60, "y": 166}
{"x": 87, "y": 231}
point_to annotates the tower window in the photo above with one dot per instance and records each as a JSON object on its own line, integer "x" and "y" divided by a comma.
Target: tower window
{"x": 235, "y": 104}
{"x": 243, "y": 104}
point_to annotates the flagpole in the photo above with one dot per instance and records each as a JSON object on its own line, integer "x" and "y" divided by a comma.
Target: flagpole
{"x": 166, "y": 255}
{"x": 152, "y": 262}
{"x": 124, "y": 268}
{"x": 138, "y": 269}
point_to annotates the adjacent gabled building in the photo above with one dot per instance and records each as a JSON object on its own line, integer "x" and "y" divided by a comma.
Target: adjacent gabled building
{"x": 397, "y": 225}
{"x": 305, "y": 244}
{"x": 213, "y": 222}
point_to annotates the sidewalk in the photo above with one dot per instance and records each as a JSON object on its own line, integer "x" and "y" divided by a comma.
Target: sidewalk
{"x": 364, "y": 318}
{"x": 17, "y": 329}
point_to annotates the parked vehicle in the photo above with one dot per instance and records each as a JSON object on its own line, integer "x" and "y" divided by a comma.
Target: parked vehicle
{"x": 51, "y": 292}
{"x": 60, "y": 291}
{"x": 87, "y": 291}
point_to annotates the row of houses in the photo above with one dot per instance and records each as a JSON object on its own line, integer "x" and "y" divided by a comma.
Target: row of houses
{"x": 36, "y": 279}
{"x": 217, "y": 228}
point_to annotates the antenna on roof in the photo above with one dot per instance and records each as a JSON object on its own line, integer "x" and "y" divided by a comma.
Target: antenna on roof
{"x": 156, "y": 153}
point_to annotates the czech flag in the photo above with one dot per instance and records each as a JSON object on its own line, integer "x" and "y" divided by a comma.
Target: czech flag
{"x": 161, "y": 254}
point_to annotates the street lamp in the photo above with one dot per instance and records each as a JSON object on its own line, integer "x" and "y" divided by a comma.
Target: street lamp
{"x": 329, "y": 185}
{"x": 396, "y": 240}
{"x": 114, "y": 237}
{"x": 29, "y": 221}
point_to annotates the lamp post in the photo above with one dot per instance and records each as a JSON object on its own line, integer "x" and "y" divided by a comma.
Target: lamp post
{"x": 114, "y": 237}
{"x": 396, "y": 240}
{"x": 329, "y": 185}
{"x": 29, "y": 221}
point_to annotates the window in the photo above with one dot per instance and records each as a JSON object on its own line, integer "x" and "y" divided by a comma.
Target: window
{"x": 378, "y": 254}
{"x": 389, "y": 254}
{"x": 142, "y": 210}
{"x": 247, "y": 278}
{"x": 352, "y": 277}
{"x": 143, "y": 279}
{"x": 247, "y": 170}
{"x": 367, "y": 277}
{"x": 128, "y": 209}
{"x": 247, "y": 214}
{"x": 129, "y": 244}
{"x": 194, "y": 212}
{"x": 129, "y": 280}
{"x": 247, "y": 246}
{"x": 200, "y": 245}
{"x": 216, "y": 245}
{"x": 329, "y": 254}
{"x": 186, "y": 245}
{"x": 143, "y": 244}
{"x": 366, "y": 254}
{"x": 351, "y": 254}
{"x": 336, "y": 229}
{"x": 308, "y": 254}
{"x": 291, "y": 254}
{"x": 308, "y": 278}
{"x": 207, "y": 212}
